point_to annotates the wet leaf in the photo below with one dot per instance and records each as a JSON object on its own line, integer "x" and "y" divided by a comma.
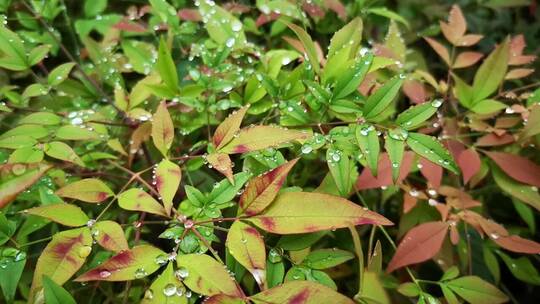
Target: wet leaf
{"x": 221, "y": 162}
{"x": 382, "y": 98}
{"x": 517, "y": 167}
{"x": 127, "y": 265}
{"x": 340, "y": 167}
{"x": 246, "y": 245}
{"x": 350, "y": 34}
{"x": 469, "y": 162}
{"x": 166, "y": 289}
{"x": 477, "y": 291}
{"x": 526, "y": 194}
{"x": 90, "y": 190}
{"x": 327, "y": 258}
{"x": 491, "y": 73}
{"x": 110, "y": 235}
{"x": 55, "y": 294}
{"x": 416, "y": 115}
{"x": 300, "y": 292}
{"x": 300, "y": 212}
{"x": 261, "y": 137}
{"x": 162, "y": 129}
{"x": 166, "y": 67}
{"x": 13, "y": 185}
{"x": 228, "y": 128}
{"x": 309, "y": 46}
{"x": 167, "y": 180}
{"x": 65, "y": 214}
{"x": 62, "y": 151}
{"x": 60, "y": 73}
{"x": 136, "y": 199}
{"x": 368, "y": 141}
{"x": 431, "y": 149}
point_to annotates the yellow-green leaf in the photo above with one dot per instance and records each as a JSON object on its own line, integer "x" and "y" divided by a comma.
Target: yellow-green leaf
{"x": 70, "y": 132}
{"x": 110, "y": 236}
{"x": 206, "y": 276}
{"x": 350, "y": 34}
{"x": 309, "y": 46}
{"x": 61, "y": 151}
{"x": 221, "y": 162}
{"x": 477, "y": 291}
{"x": 90, "y": 190}
{"x": 301, "y": 212}
{"x": 304, "y": 292}
{"x": 262, "y": 137}
{"x": 14, "y": 184}
{"x": 228, "y": 128}
{"x": 65, "y": 214}
{"x": 136, "y": 199}
{"x": 127, "y": 265}
{"x": 246, "y": 245}
{"x": 166, "y": 289}
{"x": 60, "y": 73}
{"x": 162, "y": 129}
{"x": 167, "y": 180}
{"x": 492, "y": 71}
{"x": 166, "y": 67}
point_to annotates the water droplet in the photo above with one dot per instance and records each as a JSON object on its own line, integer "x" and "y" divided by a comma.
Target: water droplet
{"x": 169, "y": 290}
{"x": 161, "y": 259}
{"x": 140, "y": 273}
{"x": 104, "y": 274}
{"x": 306, "y": 149}
{"x": 432, "y": 202}
{"x": 230, "y": 42}
{"x": 436, "y": 103}
{"x": 182, "y": 273}
{"x": 494, "y": 235}
{"x": 149, "y": 294}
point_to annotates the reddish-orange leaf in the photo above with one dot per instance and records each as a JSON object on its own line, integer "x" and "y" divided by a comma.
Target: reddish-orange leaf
{"x": 127, "y": 265}
{"x": 439, "y": 49}
{"x": 337, "y": 7}
{"x": 457, "y": 199}
{"x": 301, "y": 212}
{"x": 517, "y": 167}
{"x": 432, "y": 172}
{"x": 189, "y": 14}
{"x": 62, "y": 257}
{"x": 262, "y": 190}
{"x": 466, "y": 59}
{"x": 500, "y": 235}
{"x": 517, "y": 45}
{"x": 409, "y": 202}
{"x": 454, "y": 235}
{"x": 228, "y": 128}
{"x": 126, "y": 25}
{"x": 456, "y": 26}
{"x": 366, "y": 180}
{"x": 419, "y": 244}
{"x": 415, "y": 91}
{"x": 15, "y": 184}
{"x": 469, "y": 162}
{"x": 300, "y": 292}
{"x": 222, "y": 163}
{"x": 469, "y": 40}
{"x": 518, "y": 73}
{"x": 110, "y": 235}
{"x": 140, "y": 135}
{"x": 491, "y": 139}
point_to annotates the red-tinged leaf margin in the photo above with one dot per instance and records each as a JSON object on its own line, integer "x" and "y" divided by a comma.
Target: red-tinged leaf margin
{"x": 300, "y": 292}
{"x": 90, "y": 190}
{"x": 12, "y": 187}
{"x": 125, "y": 265}
{"x": 431, "y": 171}
{"x": 498, "y": 234}
{"x": 366, "y": 180}
{"x": 517, "y": 167}
{"x": 228, "y": 128}
{"x": 469, "y": 162}
{"x": 167, "y": 180}
{"x": 162, "y": 129}
{"x": 302, "y": 212}
{"x": 110, "y": 236}
{"x": 419, "y": 244}
{"x": 263, "y": 189}
{"x": 222, "y": 163}
{"x": 440, "y": 49}
{"x": 246, "y": 245}
{"x": 63, "y": 256}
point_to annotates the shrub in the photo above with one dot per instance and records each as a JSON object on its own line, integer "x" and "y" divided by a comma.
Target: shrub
{"x": 267, "y": 152}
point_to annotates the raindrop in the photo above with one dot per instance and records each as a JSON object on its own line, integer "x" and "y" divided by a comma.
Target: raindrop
{"x": 182, "y": 273}
{"x": 169, "y": 290}
{"x": 436, "y": 103}
{"x": 104, "y": 274}
{"x": 140, "y": 273}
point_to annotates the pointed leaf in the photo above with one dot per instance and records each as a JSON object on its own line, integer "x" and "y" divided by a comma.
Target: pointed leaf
{"x": 60, "y": 73}
{"x": 55, "y": 294}
{"x": 65, "y": 214}
{"x": 350, "y": 34}
{"x": 301, "y": 292}
{"x": 127, "y": 265}
{"x": 221, "y": 162}
{"x": 469, "y": 162}
{"x": 394, "y": 145}
{"x": 431, "y": 149}
{"x": 353, "y": 76}
{"x": 416, "y": 115}
{"x": 62, "y": 151}
{"x": 63, "y": 256}
{"x": 162, "y": 129}
{"x": 166, "y": 67}
{"x": 327, "y": 258}
{"x": 466, "y": 59}
{"x": 518, "y": 190}
{"x": 262, "y": 137}
{"x": 381, "y": 99}
{"x": 419, "y": 244}
{"x": 136, "y": 199}
{"x": 492, "y": 71}
{"x": 167, "y": 180}
{"x": 13, "y": 185}
{"x": 90, "y": 190}
{"x": 477, "y": 291}
{"x": 368, "y": 141}
{"x": 206, "y": 276}
{"x": 456, "y": 26}
{"x": 308, "y": 44}
{"x": 246, "y": 245}
{"x": 517, "y": 167}
{"x": 110, "y": 236}
{"x": 228, "y": 128}
{"x": 300, "y": 212}
{"x": 341, "y": 168}
{"x": 165, "y": 289}
{"x": 263, "y": 189}
{"x": 440, "y": 49}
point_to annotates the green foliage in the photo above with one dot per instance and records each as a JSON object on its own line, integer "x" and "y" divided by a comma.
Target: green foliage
{"x": 265, "y": 151}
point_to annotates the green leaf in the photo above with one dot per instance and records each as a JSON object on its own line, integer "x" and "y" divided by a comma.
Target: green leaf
{"x": 300, "y": 212}
{"x": 350, "y": 34}
{"x": 206, "y": 276}
{"x": 60, "y": 73}
{"x": 166, "y": 67}
{"x": 222, "y": 26}
{"x": 37, "y": 54}
{"x": 63, "y": 256}
{"x": 26, "y": 155}
{"x": 65, "y": 214}
{"x": 327, "y": 258}
{"x": 262, "y": 137}
{"x": 7, "y": 229}
{"x": 13, "y": 51}
{"x": 17, "y": 142}
{"x": 394, "y": 145}
{"x": 476, "y": 291}
{"x": 165, "y": 289}
{"x": 55, "y": 294}
{"x": 93, "y": 8}
{"x": 274, "y": 273}
{"x": 373, "y": 289}
{"x": 295, "y": 242}
{"x": 416, "y": 115}
{"x": 140, "y": 56}
{"x": 368, "y": 141}
{"x": 341, "y": 168}
{"x": 136, "y": 199}
{"x": 518, "y": 190}
{"x": 309, "y": 46}
{"x": 352, "y": 76}
{"x": 304, "y": 291}
{"x": 41, "y": 118}
{"x": 167, "y": 180}
{"x": 62, "y": 151}
{"x": 385, "y": 12}
{"x": 463, "y": 92}
{"x": 382, "y": 98}
{"x": 13, "y": 185}
{"x": 162, "y": 129}
{"x": 246, "y": 245}
{"x": 90, "y": 190}
{"x": 449, "y": 296}
{"x": 409, "y": 289}
{"x": 431, "y": 149}
{"x": 492, "y": 71}
{"x": 521, "y": 268}
{"x": 127, "y": 265}
{"x": 70, "y": 132}
{"x": 12, "y": 263}
{"x": 487, "y": 106}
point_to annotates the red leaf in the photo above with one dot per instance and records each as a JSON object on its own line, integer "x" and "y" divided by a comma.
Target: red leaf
{"x": 469, "y": 40}
{"x": 419, "y": 244}
{"x": 432, "y": 172}
{"x": 128, "y": 26}
{"x": 456, "y": 26}
{"x": 466, "y": 59}
{"x": 337, "y": 7}
{"x": 439, "y": 49}
{"x": 409, "y": 202}
{"x": 189, "y": 14}
{"x": 490, "y": 140}
{"x": 518, "y": 73}
{"x": 517, "y": 167}
{"x": 415, "y": 91}
{"x": 222, "y": 163}
{"x": 384, "y": 173}
{"x": 518, "y": 244}
{"x": 469, "y": 163}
